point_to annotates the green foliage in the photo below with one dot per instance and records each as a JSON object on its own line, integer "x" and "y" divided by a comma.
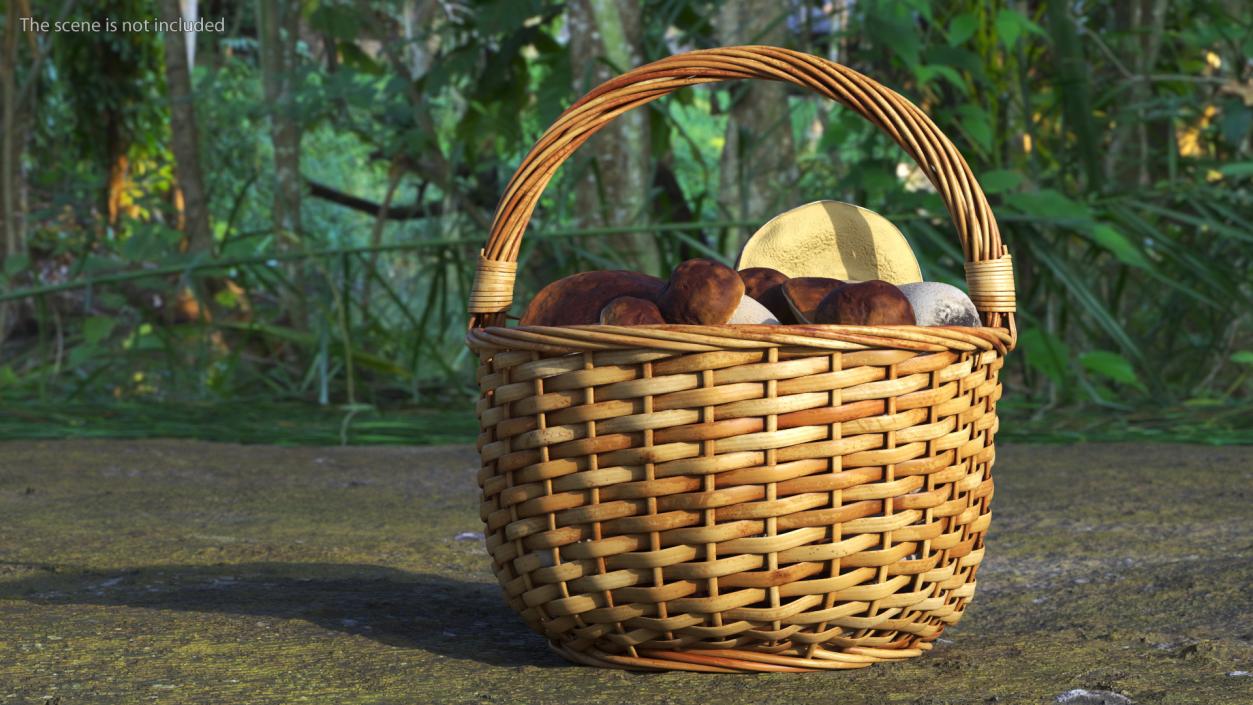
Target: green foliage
{"x": 1112, "y": 366}
{"x": 1121, "y": 180}
{"x": 112, "y": 80}
{"x": 258, "y": 420}
{"x": 1045, "y": 353}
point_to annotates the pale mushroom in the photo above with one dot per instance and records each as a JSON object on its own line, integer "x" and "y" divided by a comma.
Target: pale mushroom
{"x": 835, "y": 240}
{"x": 940, "y": 304}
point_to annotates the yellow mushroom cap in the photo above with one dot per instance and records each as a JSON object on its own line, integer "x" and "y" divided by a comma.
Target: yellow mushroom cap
{"x": 832, "y": 239}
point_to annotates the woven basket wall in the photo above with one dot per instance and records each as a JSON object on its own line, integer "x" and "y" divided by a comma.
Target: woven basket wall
{"x": 740, "y": 498}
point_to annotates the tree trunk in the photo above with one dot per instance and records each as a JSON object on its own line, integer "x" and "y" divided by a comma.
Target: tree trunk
{"x": 12, "y": 139}
{"x": 185, "y": 135}
{"x": 18, "y": 102}
{"x": 1073, "y": 80}
{"x": 394, "y": 174}
{"x": 118, "y": 164}
{"x": 758, "y": 158}
{"x": 278, "y": 23}
{"x": 617, "y": 189}
{"x": 188, "y": 10}
{"x": 422, "y": 41}
{"x": 1151, "y": 20}
{"x": 8, "y": 138}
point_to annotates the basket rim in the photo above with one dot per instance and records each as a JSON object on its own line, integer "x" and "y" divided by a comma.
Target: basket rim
{"x": 745, "y": 337}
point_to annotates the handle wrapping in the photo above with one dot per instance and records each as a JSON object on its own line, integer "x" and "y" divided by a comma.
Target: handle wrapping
{"x": 988, "y": 266}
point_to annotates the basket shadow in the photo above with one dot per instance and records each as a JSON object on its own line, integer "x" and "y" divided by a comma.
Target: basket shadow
{"x": 452, "y": 617}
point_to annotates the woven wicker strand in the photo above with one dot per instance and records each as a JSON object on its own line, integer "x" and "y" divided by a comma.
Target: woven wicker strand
{"x": 739, "y": 498}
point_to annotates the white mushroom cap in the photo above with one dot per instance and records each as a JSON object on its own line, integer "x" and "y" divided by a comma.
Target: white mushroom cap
{"x": 750, "y": 311}
{"x": 940, "y": 304}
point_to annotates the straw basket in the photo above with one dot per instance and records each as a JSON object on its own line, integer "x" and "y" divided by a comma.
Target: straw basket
{"x": 739, "y": 498}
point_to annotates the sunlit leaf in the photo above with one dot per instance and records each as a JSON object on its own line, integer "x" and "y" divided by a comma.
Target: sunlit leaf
{"x": 1112, "y": 366}
{"x": 926, "y": 74}
{"x": 1119, "y": 246}
{"x": 961, "y": 28}
{"x": 1010, "y": 25}
{"x": 1007, "y": 27}
{"x": 1050, "y": 204}
{"x": 226, "y": 298}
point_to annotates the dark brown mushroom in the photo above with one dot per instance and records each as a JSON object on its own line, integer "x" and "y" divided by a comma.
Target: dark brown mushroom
{"x": 701, "y": 292}
{"x": 758, "y": 280}
{"x": 577, "y": 300}
{"x": 776, "y": 303}
{"x": 803, "y": 294}
{"x": 870, "y": 303}
{"x": 765, "y": 285}
{"x": 630, "y": 311}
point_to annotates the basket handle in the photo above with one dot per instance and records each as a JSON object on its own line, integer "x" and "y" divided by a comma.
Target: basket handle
{"x": 989, "y": 274}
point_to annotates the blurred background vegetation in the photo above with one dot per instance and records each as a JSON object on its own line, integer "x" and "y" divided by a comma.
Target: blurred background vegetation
{"x": 266, "y": 231}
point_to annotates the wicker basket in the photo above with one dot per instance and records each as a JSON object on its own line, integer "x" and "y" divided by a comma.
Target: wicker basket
{"x": 739, "y": 498}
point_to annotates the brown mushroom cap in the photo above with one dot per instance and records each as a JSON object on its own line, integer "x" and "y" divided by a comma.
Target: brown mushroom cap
{"x": 577, "y": 300}
{"x": 701, "y": 292}
{"x": 776, "y": 303}
{"x": 870, "y": 303}
{"x": 803, "y": 294}
{"x": 630, "y": 311}
{"x": 765, "y": 285}
{"x": 758, "y": 280}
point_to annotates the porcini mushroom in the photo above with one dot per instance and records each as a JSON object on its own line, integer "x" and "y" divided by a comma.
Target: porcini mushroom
{"x": 765, "y": 285}
{"x": 870, "y": 303}
{"x": 701, "y": 292}
{"x": 630, "y": 311}
{"x": 578, "y": 299}
{"x": 759, "y": 280}
{"x": 803, "y": 294}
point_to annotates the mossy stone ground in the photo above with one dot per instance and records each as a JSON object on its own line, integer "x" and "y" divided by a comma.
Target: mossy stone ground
{"x": 189, "y": 572}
